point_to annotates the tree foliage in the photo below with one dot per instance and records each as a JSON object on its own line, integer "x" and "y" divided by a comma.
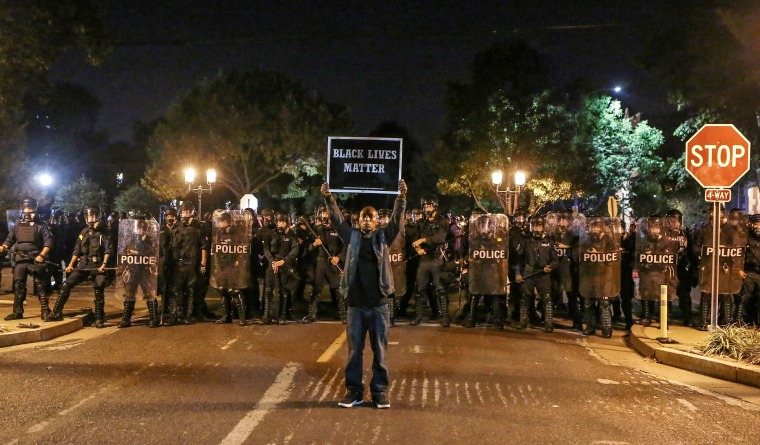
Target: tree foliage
{"x": 136, "y": 197}
{"x": 80, "y": 194}
{"x": 261, "y": 131}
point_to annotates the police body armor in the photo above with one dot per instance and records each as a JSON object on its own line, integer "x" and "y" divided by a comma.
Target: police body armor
{"x": 28, "y": 241}
{"x": 656, "y": 257}
{"x": 90, "y": 248}
{"x": 733, "y": 241}
{"x": 137, "y": 256}
{"x": 599, "y": 258}
{"x": 231, "y": 250}
{"x": 488, "y": 254}
{"x": 563, "y": 229}
{"x": 186, "y": 241}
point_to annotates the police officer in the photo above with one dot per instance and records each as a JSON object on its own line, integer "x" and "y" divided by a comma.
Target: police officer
{"x": 252, "y": 293}
{"x": 598, "y": 276}
{"x": 165, "y": 259}
{"x": 685, "y": 270}
{"x": 750, "y": 292}
{"x": 330, "y": 256}
{"x": 88, "y": 262}
{"x": 538, "y": 260}
{"x": 281, "y": 250}
{"x": 517, "y": 231}
{"x": 33, "y": 242}
{"x": 565, "y": 276}
{"x": 225, "y": 270}
{"x": 431, "y": 232}
{"x": 412, "y": 259}
{"x": 141, "y": 245}
{"x": 189, "y": 257}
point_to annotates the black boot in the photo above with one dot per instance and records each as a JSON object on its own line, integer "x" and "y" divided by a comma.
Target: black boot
{"x": 239, "y": 300}
{"x": 419, "y": 304}
{"x": 741, "y": 311}
{"x": 126, "y": 316}
{"x": 100, "y": 308}
{"x": 18, "y": 306}
{"x": 57, "y": 313}
{"x": 175, "y": 307}
{"x": 607, "y": 319}
{"x": 311, "y": 312}
{"x": 704, "y": 312}
{"x": 646, "y": 316}
{"x": 522, "y": 323}
{"x": 589, "y": 309}
{"x": 283, "y": 308}
{"x": 498, "y": 315}
{"x": 684, "y": 303}
{"x": 443, "y": 308}
{"x": 45, "y": 306}
{"x": 153, "y": 321}
{"x": 472, "y": 313}
{"x": 226, "y": 309}
{"x": 548, "y": 314}
{"x": 728, "y": 308}
{"x": 392, "y": 309}
{"x": 187, "y": 317}
{"x": 342, "y": 308}
{"x": 574, "y": 307}
{"x": 266, "y": 317}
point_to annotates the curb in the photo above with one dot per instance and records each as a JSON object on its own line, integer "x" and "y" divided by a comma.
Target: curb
{"x": 43, "y": 333}
{"x": 720, "y": 369}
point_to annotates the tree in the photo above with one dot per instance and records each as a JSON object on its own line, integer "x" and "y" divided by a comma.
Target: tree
{"x": 34, "y": 34}
{"x": 136, "y": 197}
{"x": 624, "y": 160}
{"x": 80, "y": 194}
{"x": 260, "y": 130}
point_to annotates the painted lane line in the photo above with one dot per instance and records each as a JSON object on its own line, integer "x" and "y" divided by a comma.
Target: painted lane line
{"x": 229, "y": 343}
{"x": 276, "y": 394}
{"x": 333, "y": 348}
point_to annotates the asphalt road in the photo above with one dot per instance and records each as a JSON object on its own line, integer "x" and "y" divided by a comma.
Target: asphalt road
{"x": 227, "y": 384}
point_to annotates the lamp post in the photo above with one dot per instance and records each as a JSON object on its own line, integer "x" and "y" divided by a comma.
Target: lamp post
{"x": 512, "y": 195}
{"x": 210, "y": 181}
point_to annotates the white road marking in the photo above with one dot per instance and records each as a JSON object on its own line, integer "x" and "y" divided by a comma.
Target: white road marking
{"x": 501, "y": 394}
{"x": 607, "y": 382}
{"x": 688, "y": 405}
{"x": 229, "y": 343}
{"x": 413, "y": 391}
{"x": 477, "y": 391}
{"x": 319, "y": 384}
{"x": 328, "y": 386}
{"x": 277, "y": 393}
{"x": 437, "y": 391}
{"x": 333, "y": 348}
{"x": 424, "y": 390}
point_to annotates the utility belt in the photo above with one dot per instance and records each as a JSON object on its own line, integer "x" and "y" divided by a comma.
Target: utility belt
{"x": 186, "y": 262}
{"x": 90, "y": 259}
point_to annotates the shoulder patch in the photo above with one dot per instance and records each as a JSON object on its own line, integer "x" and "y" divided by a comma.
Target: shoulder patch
{"x": 81, "y": 237}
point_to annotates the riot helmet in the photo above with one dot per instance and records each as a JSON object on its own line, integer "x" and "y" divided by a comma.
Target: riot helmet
{"x": 186, "y": 211}
{"x": 564, "y": 220}
{"x": 537, "y": 224}
{"x": 448, "y": 215}
{"x": 92, "y": 215}
{"x": 654, "y": 227}
{"x": 675, "y": 215}
{"x": 417, "y": 214}
{"x": 484, "y": 225}
{"x": 429, "y": 204}
{"x": 754, "y": 221}
{"x": 140, "y": 225}
{"x": 595, "y": 225}
{"x": 735, "y": 217}
{"x": 520, "y": 219}
{"x": 57, "y": 217}
{"x": 384, "y": 217}
{"x": 267, "y": 218}
{"x": 225, "y": 220}
{"x": 282, "y": 221}
{"x": 28, "y": 209}
{"x": 170, "y": 217}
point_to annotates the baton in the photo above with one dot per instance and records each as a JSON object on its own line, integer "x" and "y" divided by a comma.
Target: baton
{"x": 330, "y": 257}
{"x": 533, "y": 275}
{"x": 22, "y": 255}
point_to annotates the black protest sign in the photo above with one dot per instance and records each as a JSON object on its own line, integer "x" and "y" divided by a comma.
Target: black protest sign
{"x": 364, "y": 165}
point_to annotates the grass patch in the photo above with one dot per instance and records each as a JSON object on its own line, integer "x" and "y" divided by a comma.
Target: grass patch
{"x": 734, "y": 341}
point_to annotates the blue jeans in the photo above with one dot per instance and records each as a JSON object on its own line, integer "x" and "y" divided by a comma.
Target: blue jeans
{"x": 376, "y": 321}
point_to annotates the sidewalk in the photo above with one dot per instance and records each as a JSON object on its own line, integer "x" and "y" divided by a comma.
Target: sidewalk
{"x": 32, "y": 329}
{"x": 685, "y": 354}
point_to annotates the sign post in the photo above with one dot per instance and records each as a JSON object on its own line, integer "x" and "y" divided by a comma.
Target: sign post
{"x": 717, "y": 156}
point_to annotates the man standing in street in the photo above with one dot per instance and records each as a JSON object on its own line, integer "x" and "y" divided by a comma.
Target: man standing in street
{"x": 367, "y": 281}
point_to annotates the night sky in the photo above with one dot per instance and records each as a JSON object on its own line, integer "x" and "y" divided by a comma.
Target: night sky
{"x": 384, "y": 62}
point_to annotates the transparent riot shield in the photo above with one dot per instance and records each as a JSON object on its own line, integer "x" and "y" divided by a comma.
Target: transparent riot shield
{"x": 398, "y": 262}
{"x": 599, "y": 257}
{"x": 231, "y": 250}
{"x": 137, "y": 259}
{"x": 733, "y": 241}
{"x": 657, "y": 248}
{"x": 13, "y": 216}
{"x": 489, "y": 254}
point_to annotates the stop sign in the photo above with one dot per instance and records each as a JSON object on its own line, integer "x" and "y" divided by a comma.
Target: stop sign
{"x": 717, "y": 155}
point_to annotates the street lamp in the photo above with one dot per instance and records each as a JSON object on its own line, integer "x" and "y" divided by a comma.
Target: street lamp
{"x": 44, "y": 179}
{"x": 210, "y": 181}
{"x": 512, "y": 196}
